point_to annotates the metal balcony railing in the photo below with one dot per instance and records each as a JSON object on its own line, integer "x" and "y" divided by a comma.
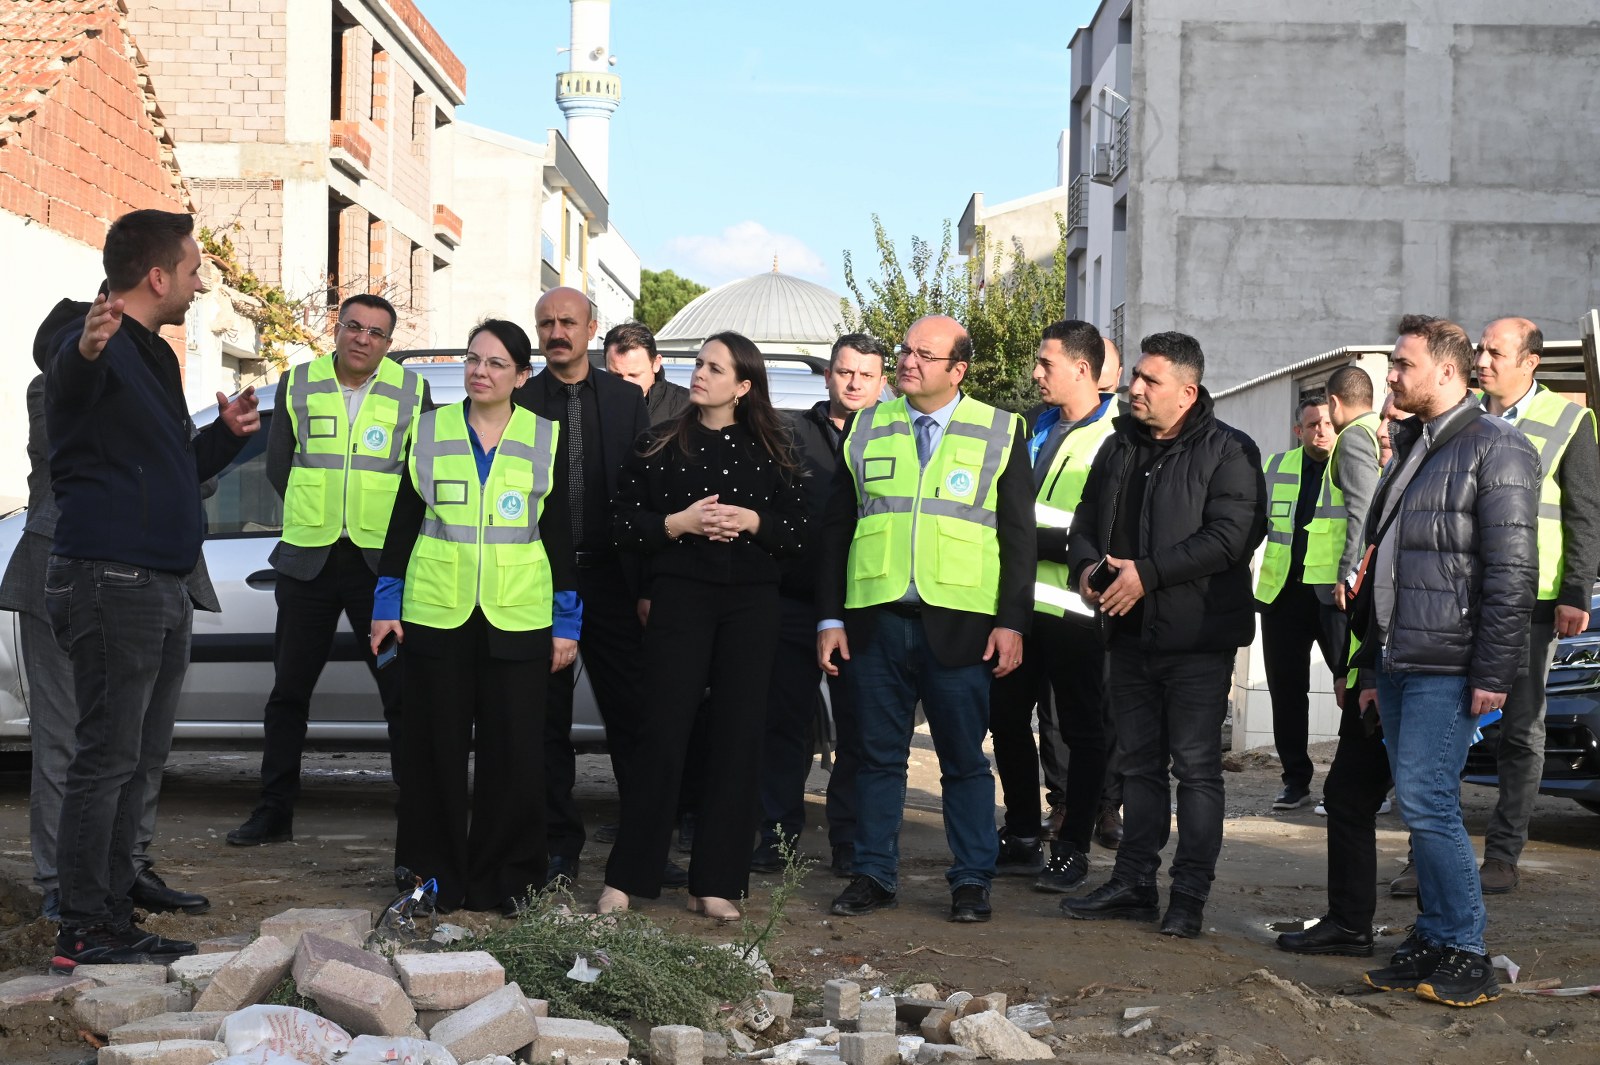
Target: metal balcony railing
{"x": 1078, "y": 202}
{"x": 1119, "y": 316}
{"x": 1119, "y": 145}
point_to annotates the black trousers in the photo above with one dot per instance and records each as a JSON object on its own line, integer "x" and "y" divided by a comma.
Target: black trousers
{"x": 612, "y": 646}
{"x": 1069, "y": 658}
{"x": 483, "y": 843}
{"x": 1294, "y": 624}
{"x": 700, "y": 635}
{"x": 1356, "y": 785}
{"x": 308, "y": 620}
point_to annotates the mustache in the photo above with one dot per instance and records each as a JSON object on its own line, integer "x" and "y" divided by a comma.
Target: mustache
{"x": 555, "y": 344}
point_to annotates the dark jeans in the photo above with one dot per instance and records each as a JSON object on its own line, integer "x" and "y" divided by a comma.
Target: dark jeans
{"x": 1067, "y": 657}
{"x": 613, "y": 659}
{"x": 1169, "y": 709}
{"x": 308, "y": 620}
{"x": 1289, "y": 629}
{"x": 1519, "y": 750}
{"x": 1357, "y": 782}
{"x": 791, "y": 734}
{"x": 126, "y": 630}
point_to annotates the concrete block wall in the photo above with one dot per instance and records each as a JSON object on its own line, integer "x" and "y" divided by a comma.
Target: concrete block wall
{"x": 249, "y": 211}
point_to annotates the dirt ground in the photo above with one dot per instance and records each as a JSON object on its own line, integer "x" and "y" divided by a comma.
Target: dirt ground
{"x": 1227, "y": 998}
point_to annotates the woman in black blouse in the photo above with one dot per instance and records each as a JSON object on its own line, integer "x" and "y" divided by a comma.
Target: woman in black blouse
{"x": 712, "y": 500}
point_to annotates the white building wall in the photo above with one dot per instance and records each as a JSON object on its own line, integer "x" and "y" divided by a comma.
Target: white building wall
{"x": 614, "y": 276}
{"x": 498, "y": 186}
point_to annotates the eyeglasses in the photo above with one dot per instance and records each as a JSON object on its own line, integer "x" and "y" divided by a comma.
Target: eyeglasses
{"x": 371, "y": 330}
{"x": 911, "y": 354}
{"x": 493, "y": 365}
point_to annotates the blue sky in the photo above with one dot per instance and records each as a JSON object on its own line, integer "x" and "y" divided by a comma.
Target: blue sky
{"x": 748, "y": 129}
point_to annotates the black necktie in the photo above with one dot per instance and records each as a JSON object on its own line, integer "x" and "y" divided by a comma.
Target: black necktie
{"x": 574, "y": 431}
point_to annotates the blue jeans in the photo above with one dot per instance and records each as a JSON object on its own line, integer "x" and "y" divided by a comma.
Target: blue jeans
{"x": 887, "y": 678}
{"x": 126, "y": 629}
{"x": 1427, "y": 727}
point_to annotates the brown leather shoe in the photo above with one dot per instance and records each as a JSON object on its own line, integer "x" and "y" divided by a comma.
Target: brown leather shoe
{"x": 1108, "y": 829}
{"x": 1404, "y": 886}
{"x": 1498, "y": 877}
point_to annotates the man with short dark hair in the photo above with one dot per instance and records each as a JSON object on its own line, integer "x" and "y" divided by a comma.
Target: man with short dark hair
{"x": 336, "y": 450}
{"x": 1453, "y": 567}
{"x": 1161, "y": 544}
{"x": 631, "y": 355}
{"x": 126, "y": 463}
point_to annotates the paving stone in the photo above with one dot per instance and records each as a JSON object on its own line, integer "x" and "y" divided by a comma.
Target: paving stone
{"x": 778, "y": 1003}
{"x": 1033, "y": 1018}
{"x": 347, "y": 926}
{"x": 316, "y": 950}
{"x": 935, "y": 1053}
{"x": 426, "y": 1019}
{"x": 45, "y": 988}
{"x": 197, "y": 969}
{"x": 912, "y": 1008}
{"x": 225, "y": 944}
{"x": 676, "y": 1044}
{"x": 935, "y": 1026}
{"x": 539, "y": 1006}
{"x": 248, "y": 977}
{"x": 203, "y": 1026}
{"x": 165, "y": 1052}
{"x": 825, "y": 1034}
{"x": 499, "y": 1023}
{"x": 715, "y": 1046}
{"x": 121, "y": 975}
{"x": 101, "y": 1009}
{"x": 869, "y": 1048}
{"x": 362, "y": 1002}
{"x": 876, "y": 1015}
{"x": 449, "y": 981}
{"x": 581, "y": 1042}
{"x": 841, "y": 1000}
{"x": 992, "y": 1036}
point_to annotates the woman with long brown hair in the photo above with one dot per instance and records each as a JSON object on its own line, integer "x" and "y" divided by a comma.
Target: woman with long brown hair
{"x": 711, "y": 500}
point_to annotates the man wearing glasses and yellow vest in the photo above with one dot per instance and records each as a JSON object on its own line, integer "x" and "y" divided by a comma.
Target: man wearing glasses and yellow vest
{"x": 925, "y": 587}
{"x": 335, "y": 451}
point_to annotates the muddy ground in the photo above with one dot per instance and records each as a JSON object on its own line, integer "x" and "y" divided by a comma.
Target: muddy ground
{"x": 1227, "y": 998}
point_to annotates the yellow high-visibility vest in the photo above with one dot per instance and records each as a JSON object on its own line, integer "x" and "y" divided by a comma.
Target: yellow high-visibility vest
{"x": 1053, "y": 508}
{"x": 1550, "y": 423}
{"x": 1330, "y": 521}
{"x": 1283, "y": 490}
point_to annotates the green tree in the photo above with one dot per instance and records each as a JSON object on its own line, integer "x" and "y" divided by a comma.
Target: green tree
{"x": 663, "y": 294}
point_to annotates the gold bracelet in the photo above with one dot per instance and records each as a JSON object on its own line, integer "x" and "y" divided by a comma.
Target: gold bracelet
{"x": 666, "y": 527}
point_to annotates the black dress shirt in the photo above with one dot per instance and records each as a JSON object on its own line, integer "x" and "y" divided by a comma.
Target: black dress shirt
{"x": 596, "y": 526}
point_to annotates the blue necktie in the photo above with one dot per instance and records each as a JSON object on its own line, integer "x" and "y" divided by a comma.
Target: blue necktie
{"x": 925, "y": 427}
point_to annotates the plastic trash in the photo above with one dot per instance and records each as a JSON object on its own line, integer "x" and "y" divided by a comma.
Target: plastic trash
{"x": 1500, "y": 961}
{"x": 585, "y": 973}
{"x": 297, "y": 1035}
{"x": 382, "y": 1050}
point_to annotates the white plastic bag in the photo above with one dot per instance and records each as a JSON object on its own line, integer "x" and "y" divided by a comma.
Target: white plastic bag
{"x": 289, "y": 1034}
{"x": 396, "y": 1050}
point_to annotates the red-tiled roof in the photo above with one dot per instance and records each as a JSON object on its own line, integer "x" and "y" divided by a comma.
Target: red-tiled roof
{"x": 38, "y": 39}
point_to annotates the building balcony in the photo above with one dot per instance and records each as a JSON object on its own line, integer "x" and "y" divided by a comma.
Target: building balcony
{"x": 1119, "y": 145}
{"x": 1119, "y": 323}
{"x": 349, "y": 150}
{"x": 447, "y": 225}
{"x": 1078, "y": 203}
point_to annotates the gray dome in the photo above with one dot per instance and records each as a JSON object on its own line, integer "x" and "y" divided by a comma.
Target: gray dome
{"x": 774, "y": 310}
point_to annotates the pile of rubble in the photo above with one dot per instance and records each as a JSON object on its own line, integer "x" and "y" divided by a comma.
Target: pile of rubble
{"x": 457, "y": 1008}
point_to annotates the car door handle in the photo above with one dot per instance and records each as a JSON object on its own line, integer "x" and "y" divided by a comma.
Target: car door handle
{"x": 263, "y": 580}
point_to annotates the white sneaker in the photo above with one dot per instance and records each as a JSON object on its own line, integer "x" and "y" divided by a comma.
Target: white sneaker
{"x": 1321, "y": 810}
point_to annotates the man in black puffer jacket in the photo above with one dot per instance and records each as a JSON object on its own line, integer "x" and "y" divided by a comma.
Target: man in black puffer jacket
{"x": 1453, "y": 570}
{"x": 1175, "y": 504}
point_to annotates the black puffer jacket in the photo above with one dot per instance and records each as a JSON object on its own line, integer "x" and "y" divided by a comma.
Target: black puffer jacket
{"x": 1204, "y": 513}
{"x": 1467, "y": 557}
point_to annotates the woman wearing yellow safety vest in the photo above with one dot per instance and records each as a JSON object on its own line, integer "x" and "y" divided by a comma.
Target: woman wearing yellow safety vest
{"x": 476, "y": 580}
{"x": 711, "y": 500}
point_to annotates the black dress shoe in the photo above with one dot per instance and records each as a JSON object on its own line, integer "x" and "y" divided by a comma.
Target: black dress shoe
{"x": 1115, "y": 901}
{"x": 560, "y": 872}
{"x": 1185, "y": 916}
{"x": 674, "y": 876}
{"x": 844, "y": 858}
{"x": 969, "y": 904}
{"x": 265, "y": 825}
{"x": 152, "y": 893}
{"x": 766, "y": 859}
{"x": 862, "y": 897}
{"x": 1108, "y": 829}
{"x": 1328, "y": 937}
{"x": 158, "y": 948}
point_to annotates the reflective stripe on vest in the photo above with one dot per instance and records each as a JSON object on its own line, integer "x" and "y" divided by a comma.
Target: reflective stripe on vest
{"x": 1330, "y": 521}
{"x": 1283, "y": 492}
{"x": 938, "y": 523}
{"x": 341, "y": 479}
{"x": 1550, "y": 422}
{"x": 1058, "y": 497}
{"x": 479, "y": 544}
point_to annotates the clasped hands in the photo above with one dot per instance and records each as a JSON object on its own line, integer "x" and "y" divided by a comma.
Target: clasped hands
{"x": 713, "y": 520}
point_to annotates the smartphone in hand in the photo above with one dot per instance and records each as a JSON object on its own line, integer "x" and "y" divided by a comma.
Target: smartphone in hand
{"x": 1102, "y": 577}
{"x": 388, "y": 648}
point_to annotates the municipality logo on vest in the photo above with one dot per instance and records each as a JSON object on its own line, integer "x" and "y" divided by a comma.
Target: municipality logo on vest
{"x": 959, "y": 482}
{"x": 376, "y": 438}
{"x": 509, "y": 505}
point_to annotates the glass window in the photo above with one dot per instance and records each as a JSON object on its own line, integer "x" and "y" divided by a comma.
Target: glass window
{"x": 244, "y": 502}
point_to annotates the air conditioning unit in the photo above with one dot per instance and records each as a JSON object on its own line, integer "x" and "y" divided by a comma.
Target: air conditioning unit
{"x": 1100, "y": 170}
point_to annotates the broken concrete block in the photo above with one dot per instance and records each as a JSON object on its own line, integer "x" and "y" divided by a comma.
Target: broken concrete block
{"x": 347, "y": 926}
{"x": 101, "y": 1009}
{"x": 580, "y": 1042}
{"x": 499, "y": 1023}
{"x": 1033, "y": 1018}
{"x": 715, "y": 1046}
{"x": 248, "y": 977}
{"x": 869, "y": 1048}
{"x": 778, "y": 1003}
{"x": 841, "y": 1000}
{"x": 876, "y": 1015}
{"x": 995, "y": 1001}
{"x": 926, "y": 991}
{"x": 202, "y": 1026}
{"x": 316, "y": 950}
{"x": 825, "y": 1034}
{"x": 539, "y": 1006}
{"x": 937, "y": 1053}
{"x": 225, "y": 944}
{"x": 676, "y": 1044}
{"x": 362, "y": 1002}
{"x": 426, "y": 1019}
{"x": 118, "y": 975}
{"x": 26, "y": 989}
{"x": 741, "y": 1039}
{"x": 992, "y": 1036}
{"x": 197, "y": 969}
{"x": 164, "y": 1052}
{"x": 935, "y": 1026}
{"x": 451, "y": 980}
{"x": 912, "y": 1009}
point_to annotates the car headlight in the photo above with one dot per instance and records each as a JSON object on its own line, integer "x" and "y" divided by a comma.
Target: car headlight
{"x": 1576, "y": 666}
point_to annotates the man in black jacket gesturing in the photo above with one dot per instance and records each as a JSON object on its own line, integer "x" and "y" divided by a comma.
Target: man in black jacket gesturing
{"x": 1173, "y": 507}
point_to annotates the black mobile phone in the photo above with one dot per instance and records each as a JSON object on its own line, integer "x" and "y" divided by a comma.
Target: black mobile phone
{"x": 388, "y": 648}
{"x": 1102, "y": 576}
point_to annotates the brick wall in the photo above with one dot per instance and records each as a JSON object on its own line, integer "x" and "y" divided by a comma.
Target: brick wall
{"x": 353, "y": 262}
{"x": 250, "y": 213}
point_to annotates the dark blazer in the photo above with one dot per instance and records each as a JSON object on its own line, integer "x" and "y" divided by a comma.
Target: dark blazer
{"x": 622, "y": 416}
{"x": 958, "y": 637}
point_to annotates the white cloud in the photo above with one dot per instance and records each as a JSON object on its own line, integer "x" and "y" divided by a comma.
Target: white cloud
{"x": 741, "y": 250}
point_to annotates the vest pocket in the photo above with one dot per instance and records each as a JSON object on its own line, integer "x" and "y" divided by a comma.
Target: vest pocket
{"x": 960, "y": 553}
{"x": 377, "y": 501}
{"x": 431, "y": 578}
{"x": 869, "y": 554}
{"x": 518, "y": 582}
{"x": 307, "y": 497}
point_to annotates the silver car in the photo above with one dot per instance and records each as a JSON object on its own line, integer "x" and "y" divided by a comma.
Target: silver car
{"x": 230, "y": 671}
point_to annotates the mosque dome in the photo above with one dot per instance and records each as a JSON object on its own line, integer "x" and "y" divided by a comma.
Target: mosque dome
{"x": 782, "y": 314}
